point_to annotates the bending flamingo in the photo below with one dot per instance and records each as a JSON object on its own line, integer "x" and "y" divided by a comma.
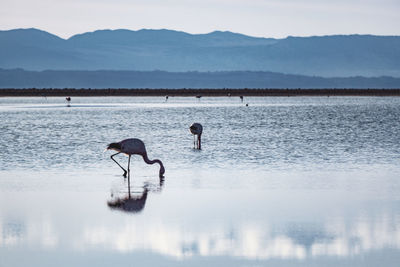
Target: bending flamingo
{"x": 196, "y": 129}
{"x": 133, "y": 146}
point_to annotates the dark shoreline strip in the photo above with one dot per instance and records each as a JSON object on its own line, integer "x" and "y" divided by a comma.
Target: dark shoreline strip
{"x": 201, "y": 92}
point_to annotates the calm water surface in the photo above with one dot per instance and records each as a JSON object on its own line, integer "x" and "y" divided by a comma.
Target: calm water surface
{"x": 286, "y": 181}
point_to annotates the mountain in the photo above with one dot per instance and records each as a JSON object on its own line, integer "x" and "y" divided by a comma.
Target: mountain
{"x": 18, "y": 78}
{"x": 174, "y": 51}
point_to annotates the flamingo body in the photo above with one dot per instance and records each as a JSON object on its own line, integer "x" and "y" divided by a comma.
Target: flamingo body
{"x": 129, "y": 146}
{"x": 196, "y": 129}
{"x": 133, "y": 146}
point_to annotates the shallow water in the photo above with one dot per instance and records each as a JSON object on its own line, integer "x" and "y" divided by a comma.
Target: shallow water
{"x": 286, "y": 181}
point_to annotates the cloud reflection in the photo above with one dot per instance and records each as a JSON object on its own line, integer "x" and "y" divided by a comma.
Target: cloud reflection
{"x": 249, "y": 241}
{"x": 37, "y": 232}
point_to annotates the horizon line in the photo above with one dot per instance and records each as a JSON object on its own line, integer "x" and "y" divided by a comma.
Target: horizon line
{"x": 206, "y": 33}
{"x": 203, "y": 72}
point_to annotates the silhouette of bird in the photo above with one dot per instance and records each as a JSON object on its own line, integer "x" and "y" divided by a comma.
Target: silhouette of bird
{"x": 134, "y": 203}
{"x": 68, "y": 99}
{"x": 166, "y": 98}
{"x": 196, "y": 129}
{"x": 241, "y": 98}
{"x": 133, "y": 146}
{"x": 129, "y": 203}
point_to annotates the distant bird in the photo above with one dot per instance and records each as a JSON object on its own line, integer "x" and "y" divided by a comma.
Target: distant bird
{"x": 68, "y": 101}
{"x": 133, "y": 146}
{"x": 166, "y": 98}
{"x": 241, "y": 98}
{"x": 198, "y": 97}
{"x": 196, "y": 129}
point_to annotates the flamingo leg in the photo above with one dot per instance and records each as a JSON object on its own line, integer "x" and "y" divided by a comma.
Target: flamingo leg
{"x": 118, "y": 163}
{"x": 129, "y": 176}
{"x": 194, "y": 141}
{"x": 199, "y": 141}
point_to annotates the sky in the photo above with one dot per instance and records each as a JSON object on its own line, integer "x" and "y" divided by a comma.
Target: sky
{"x": 263, "y": 18}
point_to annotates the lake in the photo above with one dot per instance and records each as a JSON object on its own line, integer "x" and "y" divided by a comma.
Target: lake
{"x": 284, "y": 181}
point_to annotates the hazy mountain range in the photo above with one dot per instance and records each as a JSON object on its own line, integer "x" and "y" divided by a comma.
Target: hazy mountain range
{"x": 173, "y": 51}
{"x": 18, "y": 78}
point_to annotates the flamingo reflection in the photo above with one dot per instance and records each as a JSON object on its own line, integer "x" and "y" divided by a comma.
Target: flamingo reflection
{"x": 135, "y": 201}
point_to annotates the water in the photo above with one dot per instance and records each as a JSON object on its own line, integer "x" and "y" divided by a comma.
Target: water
{"x": 286, "y": 181}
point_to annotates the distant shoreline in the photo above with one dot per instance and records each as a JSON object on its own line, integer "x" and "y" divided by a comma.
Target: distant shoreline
{"x": 198, "y": 92}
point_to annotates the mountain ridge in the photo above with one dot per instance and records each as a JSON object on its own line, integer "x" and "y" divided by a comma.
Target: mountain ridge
{"x": 177, "y": 51}
{"x": 212, "y": 32}
{"x": 19, "y": 78}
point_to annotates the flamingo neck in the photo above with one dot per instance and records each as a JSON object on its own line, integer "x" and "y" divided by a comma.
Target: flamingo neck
{"x": 148, "y": 161}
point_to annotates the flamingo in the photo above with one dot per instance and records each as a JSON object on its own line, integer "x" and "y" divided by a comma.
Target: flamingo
{"x": 196, "y": 129}
{"x": 133, "y": 146}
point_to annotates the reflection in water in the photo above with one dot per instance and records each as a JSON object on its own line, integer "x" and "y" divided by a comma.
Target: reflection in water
{"x": 129, "y": 203}
{"x": 249, "y": 240}
{"x": 41, "y": 233}
{"x": 11, "y": 232}
{"x": 186, "y": 231}
{"x": 134, "y": 201}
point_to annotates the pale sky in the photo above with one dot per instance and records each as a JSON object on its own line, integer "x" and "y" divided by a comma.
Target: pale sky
{"x": 264, "y": 18}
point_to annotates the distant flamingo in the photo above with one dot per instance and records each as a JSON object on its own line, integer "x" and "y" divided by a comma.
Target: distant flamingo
{"x": 133, "y": 146}
{"x": 68, "y": 100}
{"x": 241, "y": 98}
{"x": 196, "y": 129}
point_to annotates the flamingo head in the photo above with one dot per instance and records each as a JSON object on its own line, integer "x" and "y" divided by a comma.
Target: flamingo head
{"x": 114, "y": 146}
{"x": 162, "y": 171}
